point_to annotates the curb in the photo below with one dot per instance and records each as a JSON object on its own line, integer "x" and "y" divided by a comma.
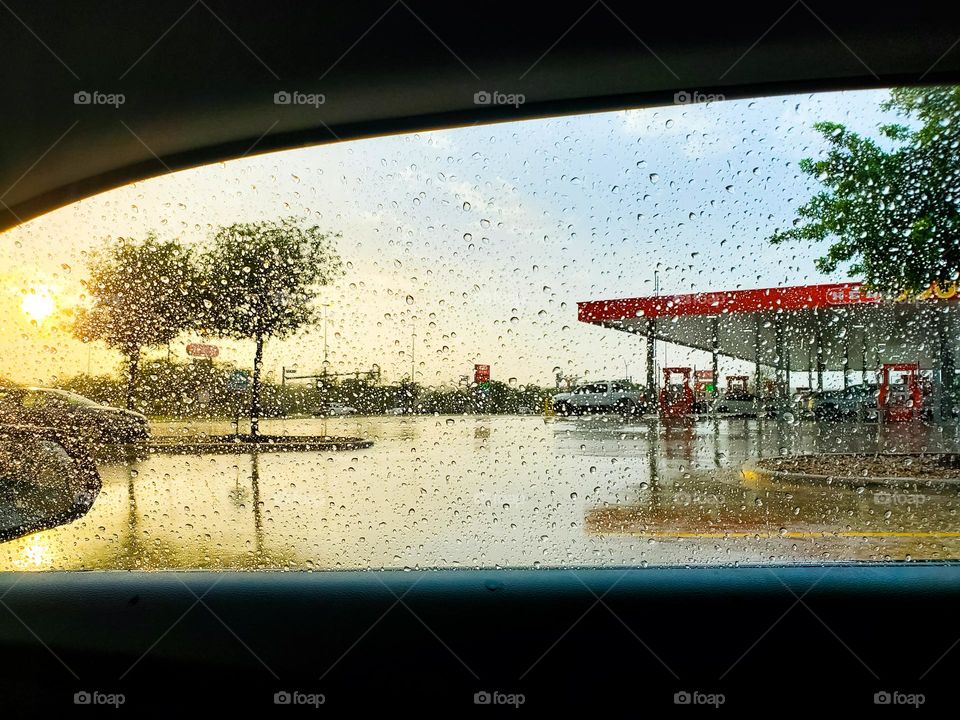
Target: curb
{"x": 190, "y": 447}
{"x": 752, "y": 473}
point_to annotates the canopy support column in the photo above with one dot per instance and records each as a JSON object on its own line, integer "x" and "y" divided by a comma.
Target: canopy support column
{"x": 714, "y": 350}
{"x": 756, "y": 354}
{"x": 863, "y": 355}
{"x": 651, "y": 354}
{"x": 846, "y": 357}
{"x": 948, "y": 378}
{"x": 818, "y": 339}
{"x": 780, "y": 352}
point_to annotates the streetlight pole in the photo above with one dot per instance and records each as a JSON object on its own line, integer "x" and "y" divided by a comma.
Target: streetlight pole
{"x": 325, "y": 366}
{"x": 651, "y": 346}
{"x": 653, "y": 337}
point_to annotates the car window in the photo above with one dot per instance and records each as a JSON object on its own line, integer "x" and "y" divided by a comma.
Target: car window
{"x": 380, "y": 353}
{"x": 70, "y": 398}
{"x": 35, "y": 399}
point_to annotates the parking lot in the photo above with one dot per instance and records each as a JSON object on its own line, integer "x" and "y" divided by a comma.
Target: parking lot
{"x": 478, "y": 491}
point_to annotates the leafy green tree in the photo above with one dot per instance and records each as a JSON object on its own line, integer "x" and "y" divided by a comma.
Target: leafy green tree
{"x": 890, "y": 206}
{"x": 262, "y": 281}
{"x": 142, "y": 293}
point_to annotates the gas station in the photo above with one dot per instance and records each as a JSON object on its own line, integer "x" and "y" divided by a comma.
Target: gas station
{"x": 907, "y": 346}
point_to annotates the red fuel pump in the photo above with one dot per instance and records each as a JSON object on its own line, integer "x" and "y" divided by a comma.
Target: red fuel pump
{"x": 703, "y": 385}
{"x": 737, "y": 387}
{"x": 676, "y": 395}
{"x": 900, "y": 397}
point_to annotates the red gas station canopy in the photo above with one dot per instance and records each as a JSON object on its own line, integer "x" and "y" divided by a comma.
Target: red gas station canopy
{"x": 857, "y": 329}
{"x": 802, "y": 297}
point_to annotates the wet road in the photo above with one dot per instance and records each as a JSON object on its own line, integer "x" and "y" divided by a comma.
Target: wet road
{"x": 503, "y": 491}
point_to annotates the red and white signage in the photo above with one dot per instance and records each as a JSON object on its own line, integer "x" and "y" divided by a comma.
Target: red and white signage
{"x": 202, "y": 350}
{"x": 481, "y": 374}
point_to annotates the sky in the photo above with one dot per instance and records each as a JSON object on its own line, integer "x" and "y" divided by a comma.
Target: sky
{"x": 468, "y": 245}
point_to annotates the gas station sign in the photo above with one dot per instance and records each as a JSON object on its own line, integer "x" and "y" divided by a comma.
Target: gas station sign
{"x": 703, "y": 381}
{"x": 202, "y": 350}
{"x": 481, "y": 374}
{"x": 238, "y": 380}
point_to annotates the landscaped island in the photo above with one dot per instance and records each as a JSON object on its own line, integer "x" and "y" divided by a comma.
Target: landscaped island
{"x": 862, "y": 467}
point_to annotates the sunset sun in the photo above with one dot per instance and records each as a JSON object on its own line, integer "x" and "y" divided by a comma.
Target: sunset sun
{"x": 38, "y": 304}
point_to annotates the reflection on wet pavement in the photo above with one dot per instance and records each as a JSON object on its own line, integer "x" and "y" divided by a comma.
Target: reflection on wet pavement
{"x": 504, "y": 491}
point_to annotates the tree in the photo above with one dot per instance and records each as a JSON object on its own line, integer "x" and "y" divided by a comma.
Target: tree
{"x": 143, "y": 293}
{"x": 890, "y": 207}
{"x": 262, "y": 283}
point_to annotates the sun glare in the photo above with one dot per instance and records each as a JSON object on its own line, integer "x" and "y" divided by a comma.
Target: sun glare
{"x": 38, "y": 304}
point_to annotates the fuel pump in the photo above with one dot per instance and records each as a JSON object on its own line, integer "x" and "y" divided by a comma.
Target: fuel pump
{"x": 676, "y": 395}
{"x": 900, "y": 398}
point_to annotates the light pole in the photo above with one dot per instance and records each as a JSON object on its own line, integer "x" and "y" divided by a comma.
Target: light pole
{"x": 413, "y": 355}
{"x": 325, "y": 366}
{"x": 653, "y": 340}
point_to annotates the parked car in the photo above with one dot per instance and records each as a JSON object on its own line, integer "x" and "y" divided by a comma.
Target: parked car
{"x": 858, "y": 402}
{"x": 72, "y": 414}
{"x": 335, "y": 410}
{"x": 602, "y": 396}
{"x": 737, "y": 402}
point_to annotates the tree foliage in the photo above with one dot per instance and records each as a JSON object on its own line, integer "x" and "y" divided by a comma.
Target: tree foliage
{"x": 263, "y": 278}
{"x": 142, "y": 293}
{"x": 889, "y": 206}
{"x": 262, "y": 282}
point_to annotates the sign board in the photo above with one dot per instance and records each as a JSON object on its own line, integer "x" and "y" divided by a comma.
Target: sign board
{"x": 202, "y": 350}
{"x": 238, "y": 380}
{"x": 481, "y": 374}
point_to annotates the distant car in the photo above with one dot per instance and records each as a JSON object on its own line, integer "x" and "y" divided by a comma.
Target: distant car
{"x": 72, "y": 414}
{"x": 737, "y": 405}
{"x": 737, "y": 401}
{"x": 602, "y": 396}
{"x": 335, "y": 410}
{"x": 395, "y": 411}
{"x": 858, "y": 402}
